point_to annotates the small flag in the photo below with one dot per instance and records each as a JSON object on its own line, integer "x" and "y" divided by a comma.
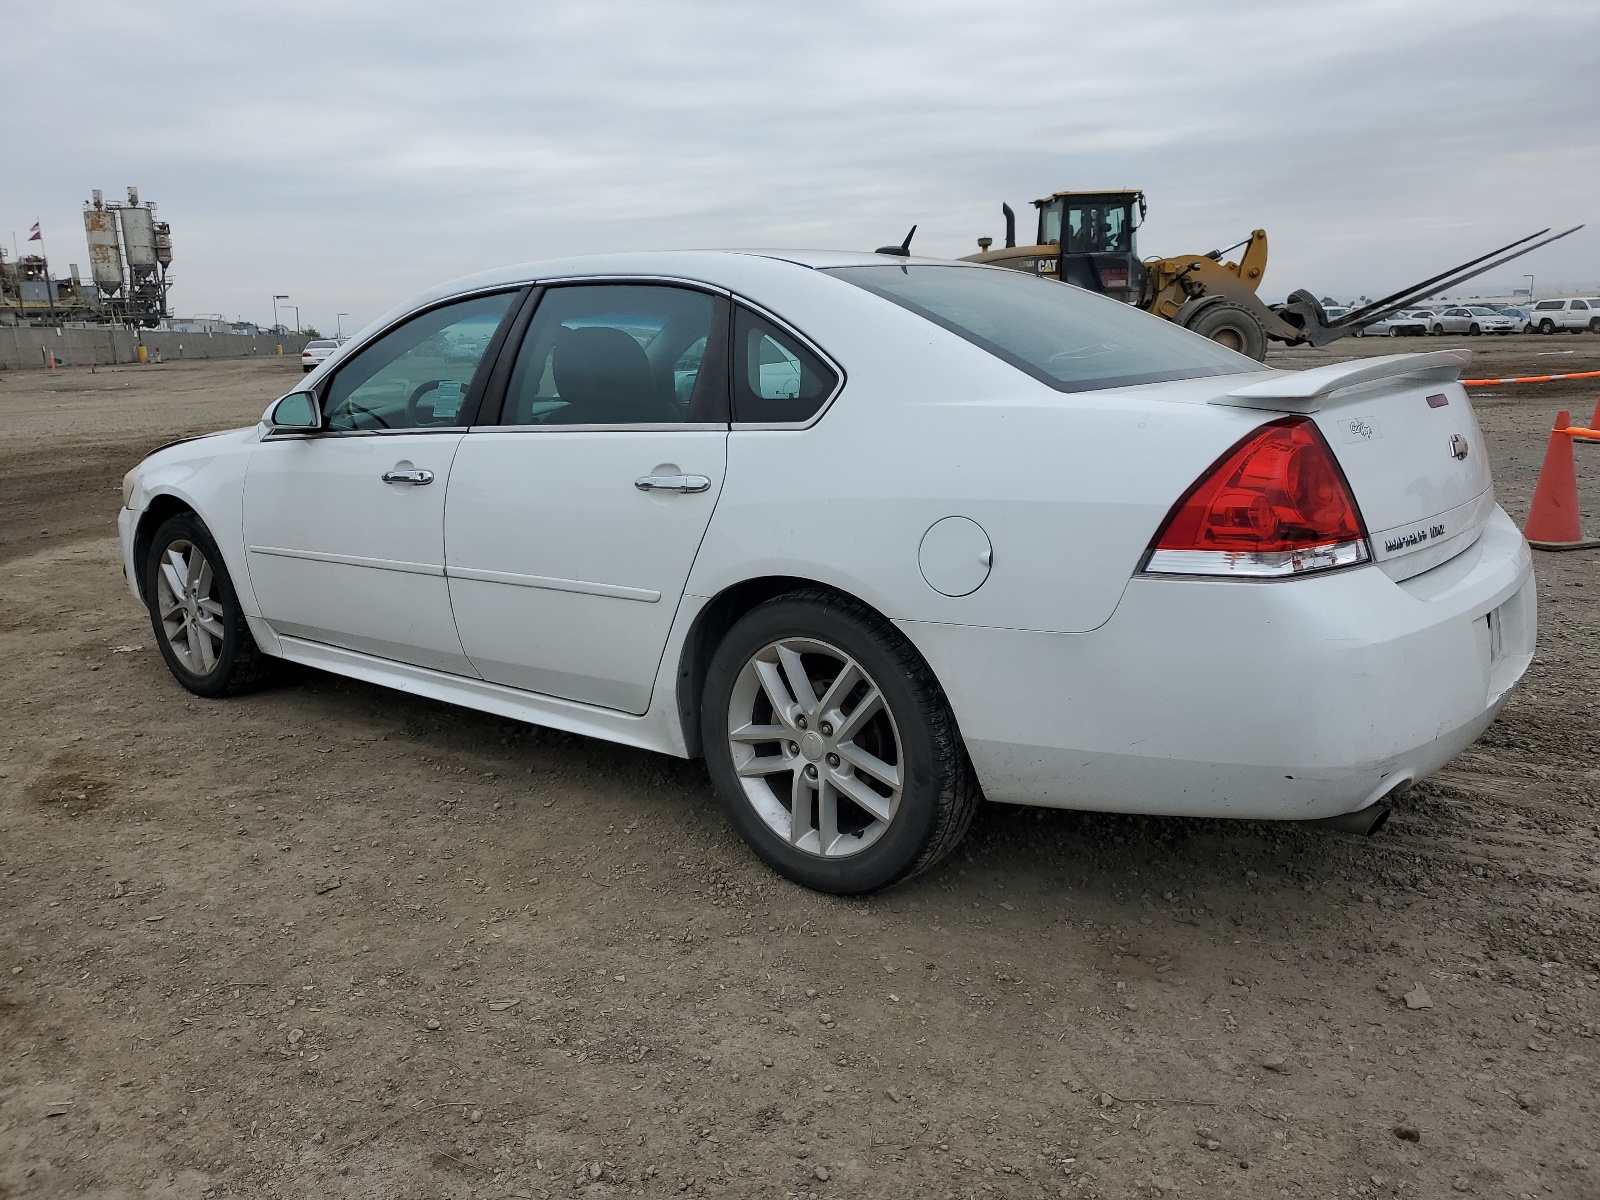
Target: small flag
{"x": 34, "y": 235}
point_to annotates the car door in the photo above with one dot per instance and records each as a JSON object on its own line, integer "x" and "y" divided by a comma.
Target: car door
{"x": 575, "y": 516}
{"x": 344, "y": 525}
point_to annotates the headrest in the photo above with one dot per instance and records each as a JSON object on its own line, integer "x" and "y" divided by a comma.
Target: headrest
{"x": 603, "y": 375}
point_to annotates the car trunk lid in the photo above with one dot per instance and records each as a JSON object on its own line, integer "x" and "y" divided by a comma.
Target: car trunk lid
{"x": 1405, "y": 434}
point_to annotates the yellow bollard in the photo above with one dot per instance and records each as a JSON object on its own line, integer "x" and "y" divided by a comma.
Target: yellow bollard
{"x": 142, "y": 353}
{"x": 280, "y": 348}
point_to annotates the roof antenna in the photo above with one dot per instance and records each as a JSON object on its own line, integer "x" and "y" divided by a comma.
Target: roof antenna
{"x": 903, "y": 250}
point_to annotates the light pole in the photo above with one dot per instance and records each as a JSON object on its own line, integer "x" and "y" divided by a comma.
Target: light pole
{"x": 296, "y": 308}
{"x": 1529, "y": 278}
{"x": 338, "y": 323}
{"x": 275, "y": 300}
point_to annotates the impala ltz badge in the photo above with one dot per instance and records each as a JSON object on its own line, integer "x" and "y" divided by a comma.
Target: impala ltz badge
{"x": 1458, "y": 445}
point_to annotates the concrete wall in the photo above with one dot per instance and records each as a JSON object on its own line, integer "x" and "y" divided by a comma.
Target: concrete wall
{"x": 22, "y": 348}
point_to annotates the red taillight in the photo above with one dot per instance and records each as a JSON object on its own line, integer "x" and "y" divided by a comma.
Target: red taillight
{"x": 1276, "y": 504}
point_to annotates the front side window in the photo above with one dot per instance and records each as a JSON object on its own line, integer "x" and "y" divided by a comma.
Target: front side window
{"x": 419, "y": 375}
{"x": 1061, "y": 335}
{"x": 1097, "y": 229}
{"x": 776, "y": 377}
{"x": 621, "y": 354}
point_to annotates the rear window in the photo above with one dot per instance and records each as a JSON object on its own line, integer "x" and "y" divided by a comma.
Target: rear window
{"x": 322, "y": 345}
{"x": 1064, "y": 336}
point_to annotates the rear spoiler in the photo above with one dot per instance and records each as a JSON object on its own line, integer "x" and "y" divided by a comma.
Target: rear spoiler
{"x": 1308, "y": 391}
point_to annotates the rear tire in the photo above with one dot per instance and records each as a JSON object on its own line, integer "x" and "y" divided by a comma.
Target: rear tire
{"x": 1547, "y": 326}
{"x": 1234, "y": 327}
{"x": 1438, "y": 331}
{"x": 195, "y": 613}
{"x": 865, "y": 781}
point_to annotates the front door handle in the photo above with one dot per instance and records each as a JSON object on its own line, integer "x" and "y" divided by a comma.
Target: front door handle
{"x": 673, "y": 483}
{"x": 412, "y": 475}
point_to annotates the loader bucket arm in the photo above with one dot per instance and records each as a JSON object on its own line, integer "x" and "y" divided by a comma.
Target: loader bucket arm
{"x": 1301, "y": 308}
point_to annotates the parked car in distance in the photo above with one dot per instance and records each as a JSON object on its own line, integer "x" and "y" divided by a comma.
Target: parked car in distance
{"x": 1396, "y": 325}
{"x": 1473, "y": 320}
{"x": 1574, "y": 315}
{"x": 646, "y": 498}
{"x": 1519, "y": 315}
{"x": 316, "y": 353}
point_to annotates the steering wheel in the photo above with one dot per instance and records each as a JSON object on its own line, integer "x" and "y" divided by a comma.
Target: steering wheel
{"x": 414, "y": 404}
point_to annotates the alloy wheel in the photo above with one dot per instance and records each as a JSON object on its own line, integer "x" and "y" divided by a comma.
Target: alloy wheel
{"x": 815, "y": 747}
{"x": 189, "y": 607}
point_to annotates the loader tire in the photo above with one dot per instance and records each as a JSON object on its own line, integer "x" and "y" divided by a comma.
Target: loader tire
{"x": 1234, "y": 327}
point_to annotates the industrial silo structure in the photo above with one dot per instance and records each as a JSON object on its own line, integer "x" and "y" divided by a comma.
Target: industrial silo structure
{"x": 105, "y": 252}
{"x": 129, "y": 252}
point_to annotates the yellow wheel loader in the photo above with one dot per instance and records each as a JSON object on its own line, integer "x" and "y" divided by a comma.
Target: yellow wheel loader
{"x": 1090, "y": 239}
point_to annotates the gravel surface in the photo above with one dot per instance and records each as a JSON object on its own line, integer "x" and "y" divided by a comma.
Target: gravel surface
{"x": 332, "y": 940}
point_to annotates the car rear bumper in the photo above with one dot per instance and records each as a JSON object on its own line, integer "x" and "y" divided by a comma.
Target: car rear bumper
{"x": 1284, "y": 700}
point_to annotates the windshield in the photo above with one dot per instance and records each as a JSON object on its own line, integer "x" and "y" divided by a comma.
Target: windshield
{"x": 1062, "y": 335}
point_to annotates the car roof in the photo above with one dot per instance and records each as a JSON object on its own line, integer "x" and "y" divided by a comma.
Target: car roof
{"x": 734, "y": 269}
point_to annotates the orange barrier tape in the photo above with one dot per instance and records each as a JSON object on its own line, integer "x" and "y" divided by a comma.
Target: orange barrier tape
{"x": 1531, "y": 379}
{"x": 1581, "y": 433}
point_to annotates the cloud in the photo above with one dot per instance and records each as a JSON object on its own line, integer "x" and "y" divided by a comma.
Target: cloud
{"x": 352, "y": 154}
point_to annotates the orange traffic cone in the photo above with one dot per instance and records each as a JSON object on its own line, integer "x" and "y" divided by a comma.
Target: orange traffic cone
{"x": 1554, "y": 522}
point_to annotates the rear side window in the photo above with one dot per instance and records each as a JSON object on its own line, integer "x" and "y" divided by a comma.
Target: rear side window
{"x": 621, "y": 354}
{"x": 1061, "y": 335}
{"x": 1580, "y": 304}
{"x": 1547, "y": 306}
{"x": 776, "y": 377}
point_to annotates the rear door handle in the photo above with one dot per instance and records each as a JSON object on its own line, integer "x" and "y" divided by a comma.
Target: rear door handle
{"x": 411, "y": 475}
{"x": 673, "y": 483}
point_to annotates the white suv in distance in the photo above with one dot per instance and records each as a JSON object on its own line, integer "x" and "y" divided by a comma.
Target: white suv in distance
{"x": 1574, "y": 315}
{"x": 316, "y": 352}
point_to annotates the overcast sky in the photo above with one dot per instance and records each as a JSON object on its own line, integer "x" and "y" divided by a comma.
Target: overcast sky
{"x": 351, "y": 154}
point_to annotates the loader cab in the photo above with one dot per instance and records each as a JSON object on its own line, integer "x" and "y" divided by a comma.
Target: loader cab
{"x": 1096, "y": 233}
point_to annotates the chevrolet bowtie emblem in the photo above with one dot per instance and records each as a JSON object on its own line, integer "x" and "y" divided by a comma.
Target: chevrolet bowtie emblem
{"x": 1458, "y": 445}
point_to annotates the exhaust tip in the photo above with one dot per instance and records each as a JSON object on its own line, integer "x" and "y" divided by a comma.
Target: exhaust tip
{"x": 1363, "y": 823}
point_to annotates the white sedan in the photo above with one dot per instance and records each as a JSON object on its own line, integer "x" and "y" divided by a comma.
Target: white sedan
{"x": 317, "y": 352}
{"x": 1473, "y": 320}
{"x": 877, "y": 536}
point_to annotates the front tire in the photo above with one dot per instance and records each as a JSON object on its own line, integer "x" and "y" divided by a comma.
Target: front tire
{"x": 832, "y": 747}
{"x": 1474, "y": 329}
{"x": 195, "y": 612}
{"x": 1234, "y": 327}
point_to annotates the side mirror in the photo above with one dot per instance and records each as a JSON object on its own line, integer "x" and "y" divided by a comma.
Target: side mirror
{"x": 296, "y": 411}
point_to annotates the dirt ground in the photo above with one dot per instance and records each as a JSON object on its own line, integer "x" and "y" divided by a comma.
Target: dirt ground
{"x": 327, "y": 940}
